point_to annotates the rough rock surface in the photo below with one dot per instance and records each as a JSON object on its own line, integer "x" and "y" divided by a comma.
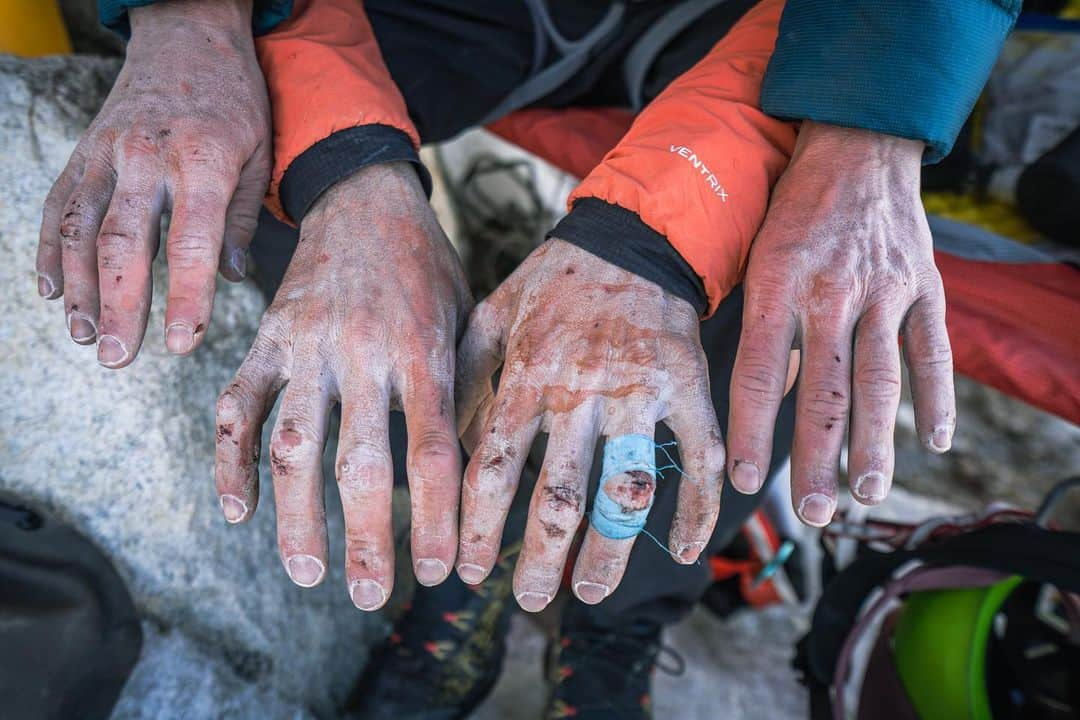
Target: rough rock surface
{"x": 126, "y": 457}
{"x": 1003, "y": 450}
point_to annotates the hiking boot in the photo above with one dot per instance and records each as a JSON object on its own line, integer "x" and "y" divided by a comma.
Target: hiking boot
{"x": 445, "y": 652}
{"x": 605, "y": 673}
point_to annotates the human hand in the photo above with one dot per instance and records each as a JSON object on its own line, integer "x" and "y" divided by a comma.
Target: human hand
{"x": 842, "y": 266}
{"x": 368, "y": 315}
{"x": 587, "y": 349}
{"x": 185, "y": 127}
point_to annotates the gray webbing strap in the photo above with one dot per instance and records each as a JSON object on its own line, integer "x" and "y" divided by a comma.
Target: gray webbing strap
{"x": 654, "y": 40}
{"x": 975, "y": 243}
{"x": 575, "y": 53}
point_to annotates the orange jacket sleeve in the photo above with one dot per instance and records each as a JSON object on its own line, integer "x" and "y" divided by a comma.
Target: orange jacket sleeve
{"x": 328, "y": 87}
{"x": 696, "y": 166}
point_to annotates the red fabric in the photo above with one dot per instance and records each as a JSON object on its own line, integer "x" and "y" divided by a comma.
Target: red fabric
{"x": 574, "y": 140}
{"x": 1016, "y": 327}
{"x": 325, "y": 73}
{"x": 699, "y": 162}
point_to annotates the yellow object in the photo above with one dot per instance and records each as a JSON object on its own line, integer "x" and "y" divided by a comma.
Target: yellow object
{"x": 993, "y": 215}
{"x": 32, "y": 27}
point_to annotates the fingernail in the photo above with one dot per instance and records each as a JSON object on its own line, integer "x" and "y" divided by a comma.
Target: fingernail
{"x": 238, "y": 261}
{"x": 588, "y": 592}
{"x": 305, "y": 570}
{"x": 941, "y": 439}
{"x": 533, "y": 601}
{"x": 430, "y": 571}
{"x": 179, "y": 338}
{"x": 689, "y": 553}
{"x": 816, "y": 509}
{"x": 233, "y": 507}
{"x": 45, "y": 287}
{"x": 745, "y": 476}
{"x": 367, "y": 594}
{"x": 869, "y": 487}
{"x": 471, "y": 574}
{"x": 110, "y": 351}
{"x": 81, "y": 327}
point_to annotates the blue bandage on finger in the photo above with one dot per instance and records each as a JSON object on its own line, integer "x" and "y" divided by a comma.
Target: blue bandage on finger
{"x": 623, "y": 454}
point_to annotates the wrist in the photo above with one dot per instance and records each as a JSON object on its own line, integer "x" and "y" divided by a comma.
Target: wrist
{"x": 393, "y": 182}
{"x": 853, "y": 147}
{"x": 230, "y": 16}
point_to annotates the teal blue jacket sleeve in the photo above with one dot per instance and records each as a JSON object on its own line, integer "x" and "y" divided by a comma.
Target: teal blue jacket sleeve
{"x": 268, "y": 13}
{"x": 910, "y": 68}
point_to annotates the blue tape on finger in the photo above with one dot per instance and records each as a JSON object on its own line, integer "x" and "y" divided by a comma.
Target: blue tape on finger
{"x": 622, "y": 454}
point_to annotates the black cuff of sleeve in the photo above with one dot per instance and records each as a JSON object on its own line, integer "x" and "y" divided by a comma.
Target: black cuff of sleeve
{"x": 615, "y": 234}
{"x": 340, "y": 155}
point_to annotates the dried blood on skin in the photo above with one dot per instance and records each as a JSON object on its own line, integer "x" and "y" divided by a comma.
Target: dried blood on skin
{"x": 631, "y": 490}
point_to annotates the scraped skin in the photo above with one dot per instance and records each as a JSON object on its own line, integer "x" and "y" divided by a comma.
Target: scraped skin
{"x": 586, "y": 349}
{"x": 368, "y": 315}
{"x": 841, "y": 268}
{"x": 186, "y": 130}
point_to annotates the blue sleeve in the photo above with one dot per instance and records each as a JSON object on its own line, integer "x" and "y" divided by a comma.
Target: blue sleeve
{"x": 910, "y": 68}
{"x": 268, "y": 13}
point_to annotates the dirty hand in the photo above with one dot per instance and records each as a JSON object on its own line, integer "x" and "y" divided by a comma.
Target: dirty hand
{"x": 586, "y": 349}
{"x": 842, "y": 266}
{"x": 368, "y": 315}
{"x": 186, "y": 127}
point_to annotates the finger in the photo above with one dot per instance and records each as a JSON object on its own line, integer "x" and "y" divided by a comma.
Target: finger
{"x": 78, "y": 231}
{"x": 930, "y": 367}
{"x": 50, "y": 248}
{"x": 479, "y": 355}
{"x": 758, "y": 384}
{"x": 365, "y": 476}
{"x": 192, "y": 248}
{"x": 434, "y": 467}
{"x": 875, "y": 400}
{"x": 602, "y": 560}
{"x": 473, "y": 434}
{"x": 127, "y": 242}
{"x": 821, "y": 415}
{"x": 492, "y": 476}
{"x": 556, "y": 508}
{"x": 296, "y": 449}
{"x": 242, "y": 408}
{"x": 701, "y": 458}
{"x": 242, "y": 216}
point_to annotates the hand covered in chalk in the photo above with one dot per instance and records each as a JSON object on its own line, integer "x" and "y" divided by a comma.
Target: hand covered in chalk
{"x": 586, "y": 349}
{"x": 842, "y": 266}
{"x": 368, "y": 314}
{"x": 186, "y": 128}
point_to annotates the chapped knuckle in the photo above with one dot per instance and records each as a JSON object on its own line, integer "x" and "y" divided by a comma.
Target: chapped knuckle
{"x": 489, "y": 474}
{"x": 760, "y": 381}
{"x": 200, "y": 151}
{"x": 294, "y": 441}
{"x": 361, "y": 550}
{"x": 115, "y": 248}
{"x": 836, "y": 286}
{"x": 232, "y": 404}
{"x": 75, "y": 225}
{"x": 878, "y": 383}
{"x": 560, "y": 508}
{"x": 434, "y": 457}
{"x": 139, "y": 140}
{"x": 937, "y": 357}
{"x": 366, "y": 465}
{"x": 189, "y": 250}
{"x": 713, "y": 460}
